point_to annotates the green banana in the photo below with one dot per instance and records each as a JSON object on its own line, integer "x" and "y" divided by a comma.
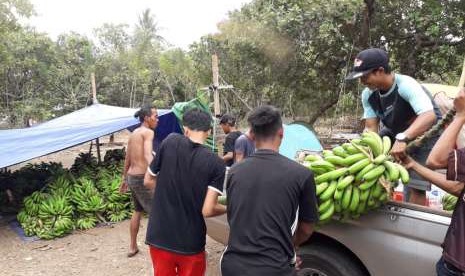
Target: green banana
{"x": 351, "y": 159}
{"x": 359, "y": 165}
{"x": 386, "y": 145}
{"x": 372, "y": 144}
{"x": 345, "y": 181}
{"x": 338, "y": 193}
{"x": 335, "y": 160}
{"x": 374, "y": 173}
{"x": 362, "y": 172}
{"x": 328, "y": 214}
{"x": 312, "y": 157}
{"x": 326, "y": 153}
{"x": 377, "y": 190}
{"x": 364, "y": 194}
{"x": 355, "y": 199}
{"x": 325, "y": 206}
{"x": 346, "y": 198}
{"x": 339, "y": 151}
{"x": 367, "y": 184}
{"x": 332, "y": 175}
{"x": 321, "y": 188}
{"x": 392, "y": 170}
{"x": 329, "y": 192}
{"x": 380, "y": 159}
{"x": 323, "y": 164}
{"x": 404, "y": 175}
{"x": 377, "y": 138}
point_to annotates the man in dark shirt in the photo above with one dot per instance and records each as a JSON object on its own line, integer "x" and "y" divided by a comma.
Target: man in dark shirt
{"x": 269, "y": 197}
{"x": 228, "y": 124}
{"x": 187, "y": 179}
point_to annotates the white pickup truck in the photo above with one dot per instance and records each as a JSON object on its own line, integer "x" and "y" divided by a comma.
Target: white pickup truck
{"x": 396, "y": 239}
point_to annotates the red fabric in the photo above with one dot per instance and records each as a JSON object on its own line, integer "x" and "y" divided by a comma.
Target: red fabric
{"x": 166, "y": 263}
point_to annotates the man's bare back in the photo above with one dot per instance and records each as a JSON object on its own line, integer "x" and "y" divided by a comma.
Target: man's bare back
{"x": 139, "y": 150}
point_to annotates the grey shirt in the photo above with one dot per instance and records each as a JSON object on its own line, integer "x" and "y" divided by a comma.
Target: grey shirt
{"x": 244, "y": 145}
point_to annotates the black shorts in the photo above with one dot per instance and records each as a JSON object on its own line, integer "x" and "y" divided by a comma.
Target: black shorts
{"x": 141, "y": 196}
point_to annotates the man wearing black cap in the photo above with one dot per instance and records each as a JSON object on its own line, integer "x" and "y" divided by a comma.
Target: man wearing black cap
{"x": 405, "y": 108}
{"x": 228, "y": 124}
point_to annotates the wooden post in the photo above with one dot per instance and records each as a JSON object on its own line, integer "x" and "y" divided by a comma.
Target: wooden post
{"x": 216, "y": 96}
{"x": 99, "y": 158}
{"x": 94, "y": 89}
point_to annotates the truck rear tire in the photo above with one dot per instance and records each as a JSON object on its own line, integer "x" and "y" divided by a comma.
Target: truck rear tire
{"x": 323, "y": 260}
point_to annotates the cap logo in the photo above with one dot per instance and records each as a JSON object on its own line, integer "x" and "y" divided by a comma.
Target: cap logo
{"x": 358, "y": 62}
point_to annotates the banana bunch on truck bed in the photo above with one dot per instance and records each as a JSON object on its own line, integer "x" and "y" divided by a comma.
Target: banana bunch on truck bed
{"x": 355, "y": 177}
{"x": 448, "y": 202}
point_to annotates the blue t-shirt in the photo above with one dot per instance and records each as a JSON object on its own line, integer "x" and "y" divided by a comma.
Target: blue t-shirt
{"x": 409, "y": 89}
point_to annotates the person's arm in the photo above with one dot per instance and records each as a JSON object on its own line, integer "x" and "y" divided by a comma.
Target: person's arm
{"x": 148, "y": 146}
{"x": 372, "y": 124}
{"x": 150, "y": 178}
{"x": 211, "y": 207}
{"x": 369, "y": 114}
{"x": 228, "y": 156}
{"x": 446, "y": 143}
{"x": 127, "y": 164}
{"x": 419, "y": 126}
{"x": 308, "y": 212}
{"x": 439, "y": 179}
{"x": 303, "y": 233}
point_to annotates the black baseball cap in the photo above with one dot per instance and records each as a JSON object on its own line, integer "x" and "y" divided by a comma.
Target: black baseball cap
{"x": 367, "y": 61}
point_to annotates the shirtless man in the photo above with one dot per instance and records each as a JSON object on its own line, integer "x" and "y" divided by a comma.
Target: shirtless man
{"x": 138, "y": 157}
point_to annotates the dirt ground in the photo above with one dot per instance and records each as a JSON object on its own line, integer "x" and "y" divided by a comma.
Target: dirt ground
{"x": 99, "y": 251}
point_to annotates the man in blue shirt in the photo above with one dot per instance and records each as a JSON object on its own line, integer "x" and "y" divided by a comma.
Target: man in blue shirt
{"x": 405, "y": 109}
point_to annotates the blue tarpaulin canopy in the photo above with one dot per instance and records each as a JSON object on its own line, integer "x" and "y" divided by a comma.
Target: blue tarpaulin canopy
{"x": 19, "y": 145}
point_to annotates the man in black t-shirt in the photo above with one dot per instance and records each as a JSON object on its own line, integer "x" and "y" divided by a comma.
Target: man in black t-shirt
{"x": 187, "y": 178}
{"x": 272, "y": 205}
{"x": 228, "y": 124}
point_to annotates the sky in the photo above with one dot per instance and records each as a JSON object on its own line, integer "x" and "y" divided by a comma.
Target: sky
{"x": 181, "y": 22}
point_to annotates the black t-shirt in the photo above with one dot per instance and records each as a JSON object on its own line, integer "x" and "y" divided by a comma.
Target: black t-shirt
{"x": 265, "y": 192}
{"x": 228, "y": 145}
{"x": 185, "y": 170}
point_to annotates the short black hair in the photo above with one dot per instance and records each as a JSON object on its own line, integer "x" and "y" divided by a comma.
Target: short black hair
{"x": 197, "y": 119}
{"x": 145, "y": 111}
{"x": 265, "y": 121}
{"x": 228, "y": 119}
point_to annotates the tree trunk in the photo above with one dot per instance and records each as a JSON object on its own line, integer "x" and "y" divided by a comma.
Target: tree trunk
{"x": 365, "y": 39}
{"x": 322, "y": 111}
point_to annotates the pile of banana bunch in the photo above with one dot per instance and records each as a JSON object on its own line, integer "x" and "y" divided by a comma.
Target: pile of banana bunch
{"x": 355, "y": 177}
{"x": 89, "y": 204}
{"x": 448, "y": 202}
{"x": 118, "y": 205}
{"x": 47, "y": 215}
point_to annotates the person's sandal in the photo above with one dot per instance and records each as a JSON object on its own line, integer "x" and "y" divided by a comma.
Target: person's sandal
{"x": 132, "y": 254}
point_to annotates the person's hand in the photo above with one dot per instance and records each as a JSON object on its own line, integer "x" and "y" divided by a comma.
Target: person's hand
{"x": 298, "y": 263}
{"x": 123, "y": 188}
{"x": 398, "y": 150}
{"x": 408, "y": 162}
{"x": 459, "y": 103}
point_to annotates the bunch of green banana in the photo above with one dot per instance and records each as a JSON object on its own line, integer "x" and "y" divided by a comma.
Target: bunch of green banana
{"x": 118, "y": 206}
{"x": 355, "y": 177}
{"x": 449, "y": 202}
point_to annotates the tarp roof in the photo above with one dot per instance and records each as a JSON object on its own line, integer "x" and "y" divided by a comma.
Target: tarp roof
{"x": 19, "y": 145}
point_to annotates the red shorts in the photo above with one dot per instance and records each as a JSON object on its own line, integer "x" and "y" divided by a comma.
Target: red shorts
{"x": 166, "y": 263}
